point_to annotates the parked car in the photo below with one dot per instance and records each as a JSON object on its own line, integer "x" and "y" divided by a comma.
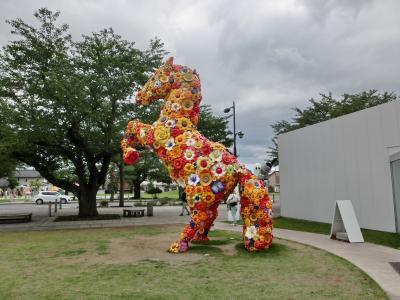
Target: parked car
{"x": 46, "y": 197}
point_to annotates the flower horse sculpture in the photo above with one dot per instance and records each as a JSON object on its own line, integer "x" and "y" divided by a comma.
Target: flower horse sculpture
{"x": 207, "y": 169}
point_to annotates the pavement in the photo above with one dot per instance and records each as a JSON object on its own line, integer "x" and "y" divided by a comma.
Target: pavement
{"x": 373, "y": 259}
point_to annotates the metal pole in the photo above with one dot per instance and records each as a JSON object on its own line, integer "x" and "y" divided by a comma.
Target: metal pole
{"x": 55, "y": 206}
{"x": 49, "y": 209}
{"x": 234, "y": 130}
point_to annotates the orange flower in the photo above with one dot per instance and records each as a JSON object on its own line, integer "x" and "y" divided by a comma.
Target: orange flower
{"x": 205, "y": 177}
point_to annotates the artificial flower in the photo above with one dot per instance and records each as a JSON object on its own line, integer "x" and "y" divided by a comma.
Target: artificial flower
{"x": 217, "y": 186}
{"x": 218, "y": 169}
{"x": 205, "y": 177}
{"x": 216, "y": 155}
{"x": 170, "y": 144}
{"x": 193, "y": 179}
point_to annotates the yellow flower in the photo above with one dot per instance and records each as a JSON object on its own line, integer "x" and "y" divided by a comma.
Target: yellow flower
{"x": 161, "y": 134}
{"x": 180, "y": 139}
{"x": 208, "y": 198}
{"x": 184, "y": 124}
{"x": 187, "y": 104}
{"x": 217, "y": 146}
{"x": 189, "y": 168}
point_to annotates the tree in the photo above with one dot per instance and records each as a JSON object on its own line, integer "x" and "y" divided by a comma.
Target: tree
{"x": 8, "y": 163}
{"x": 153, "y": 190}
{"x": 65, "y": 102}
{"x": 12, "y": 183}
{"x": 328, "y": 108}
{"x": 35, "y": 185}
{"x": 112, "y": 183}
{"x": 213, "y": 127}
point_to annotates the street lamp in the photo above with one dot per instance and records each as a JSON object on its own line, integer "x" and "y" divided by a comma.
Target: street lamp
{"x": 239, "y": 134}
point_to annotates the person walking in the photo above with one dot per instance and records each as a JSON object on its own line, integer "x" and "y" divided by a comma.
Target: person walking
{"x": 184, "y": 204}
{"x": 232, "y": 204}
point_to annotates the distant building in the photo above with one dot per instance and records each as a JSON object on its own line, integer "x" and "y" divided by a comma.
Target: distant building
{"x": 274, "y": 180}
{"x": 354, "y": 157}
{"x": 25, "y": 177}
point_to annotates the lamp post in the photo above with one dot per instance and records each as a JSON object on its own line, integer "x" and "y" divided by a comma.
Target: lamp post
{"x": 239, "y": 134}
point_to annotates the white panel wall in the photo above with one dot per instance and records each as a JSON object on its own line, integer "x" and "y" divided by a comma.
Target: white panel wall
{"x": 343, "y": 158}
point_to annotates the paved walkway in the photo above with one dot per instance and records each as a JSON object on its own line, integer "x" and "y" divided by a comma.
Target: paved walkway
{"x": 372, "y": 259}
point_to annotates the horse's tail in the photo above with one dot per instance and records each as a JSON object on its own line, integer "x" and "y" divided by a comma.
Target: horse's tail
{"x": 256, "y": 212}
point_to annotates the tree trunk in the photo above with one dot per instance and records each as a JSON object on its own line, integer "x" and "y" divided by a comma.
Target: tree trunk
{"x": 121, "y": 182}
{"x": 87, "y": 202}
{"x": 136, "y": 190}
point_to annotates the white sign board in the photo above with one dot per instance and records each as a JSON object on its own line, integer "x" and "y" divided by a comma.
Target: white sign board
{"x": 345, "y": 220}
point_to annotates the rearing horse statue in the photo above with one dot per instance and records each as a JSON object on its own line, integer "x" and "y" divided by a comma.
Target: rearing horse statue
{"x": 207, "y": 170}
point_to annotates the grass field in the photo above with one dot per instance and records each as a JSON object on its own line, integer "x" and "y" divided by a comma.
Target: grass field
{"x": 131, "y": 263}
{"x": 388, "y": 239}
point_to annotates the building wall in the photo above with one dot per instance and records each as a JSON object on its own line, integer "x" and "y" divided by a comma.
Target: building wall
{"x": 343, "y": 158}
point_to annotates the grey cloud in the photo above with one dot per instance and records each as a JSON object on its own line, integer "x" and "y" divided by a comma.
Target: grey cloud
{"x": 268, "y": 56}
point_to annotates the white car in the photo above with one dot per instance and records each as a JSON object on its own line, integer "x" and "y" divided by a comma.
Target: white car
{"x": 46, "y": 197}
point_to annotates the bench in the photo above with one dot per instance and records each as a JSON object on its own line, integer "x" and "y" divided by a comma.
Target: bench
{"x": 15, "y": 218}
{"x": 133, "y": 213}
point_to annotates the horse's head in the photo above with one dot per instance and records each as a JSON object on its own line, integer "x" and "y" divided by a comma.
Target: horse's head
{"x": 158, "y": 86}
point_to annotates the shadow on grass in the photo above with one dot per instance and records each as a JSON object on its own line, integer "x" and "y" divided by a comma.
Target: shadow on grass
{"x": 272, "y": 252}
{"x": 73, "y": 252}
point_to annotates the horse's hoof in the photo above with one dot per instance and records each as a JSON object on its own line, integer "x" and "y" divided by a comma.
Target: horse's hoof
{"x": 179, "y": 247}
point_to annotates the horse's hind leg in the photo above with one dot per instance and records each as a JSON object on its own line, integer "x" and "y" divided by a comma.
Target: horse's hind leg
{"x": 202, "y": 233}
{"x": 197, "y": 229}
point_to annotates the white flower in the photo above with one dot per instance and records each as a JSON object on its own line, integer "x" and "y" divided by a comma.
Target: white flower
{"x": 170, "y": 123}
{"x": 191, "y": 142}
{"x": 216, "y": 155}
{"x": 175, "y": 107}
{"x": 218, "y": 169}
{"x": 170, "y": 143}
{"x": 251, "y": 232}
{"x": 193, "y": 179}
{"x": 142, "y": 132}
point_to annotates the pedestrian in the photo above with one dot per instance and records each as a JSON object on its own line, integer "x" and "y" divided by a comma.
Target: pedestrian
{"x": 232, "y": 204}
{"x": 184, "y": 204}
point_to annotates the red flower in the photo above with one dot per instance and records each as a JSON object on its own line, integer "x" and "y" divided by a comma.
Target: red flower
{"x": 176, "y": 85}
{"x": 179, "y": 163}
{"x": 228, "y": 158}
{"x": 176, "y": 131}
{"x": 205, "y": 149}
{"x": 244, "y": 202}
{"x": 162, "y": 152}
{"x": 131, "y": 156}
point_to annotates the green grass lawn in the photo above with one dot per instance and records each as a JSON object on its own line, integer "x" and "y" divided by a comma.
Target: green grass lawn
{"x": 132, "y": 263}
{"x": 170, "y": 194}
{"x": 388, "y": 239}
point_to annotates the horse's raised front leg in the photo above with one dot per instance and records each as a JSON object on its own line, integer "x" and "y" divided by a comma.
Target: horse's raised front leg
{"x": 136, "y": 133}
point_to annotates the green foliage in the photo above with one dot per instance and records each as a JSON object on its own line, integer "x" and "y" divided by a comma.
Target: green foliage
{"x": 153, "y": 190}
{"x": 35, "y": 184}
{"x": 213, "y": 127}
{"x": 328, "y": 108}
{"x": 64, "y": 103}
{"x": 12, "y": 182}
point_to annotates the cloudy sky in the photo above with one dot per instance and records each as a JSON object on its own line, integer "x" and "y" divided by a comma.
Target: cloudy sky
{"x": 268, "y": 56}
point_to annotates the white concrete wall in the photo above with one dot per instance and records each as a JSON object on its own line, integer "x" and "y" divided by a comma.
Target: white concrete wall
{"x": 343, "y": 158}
